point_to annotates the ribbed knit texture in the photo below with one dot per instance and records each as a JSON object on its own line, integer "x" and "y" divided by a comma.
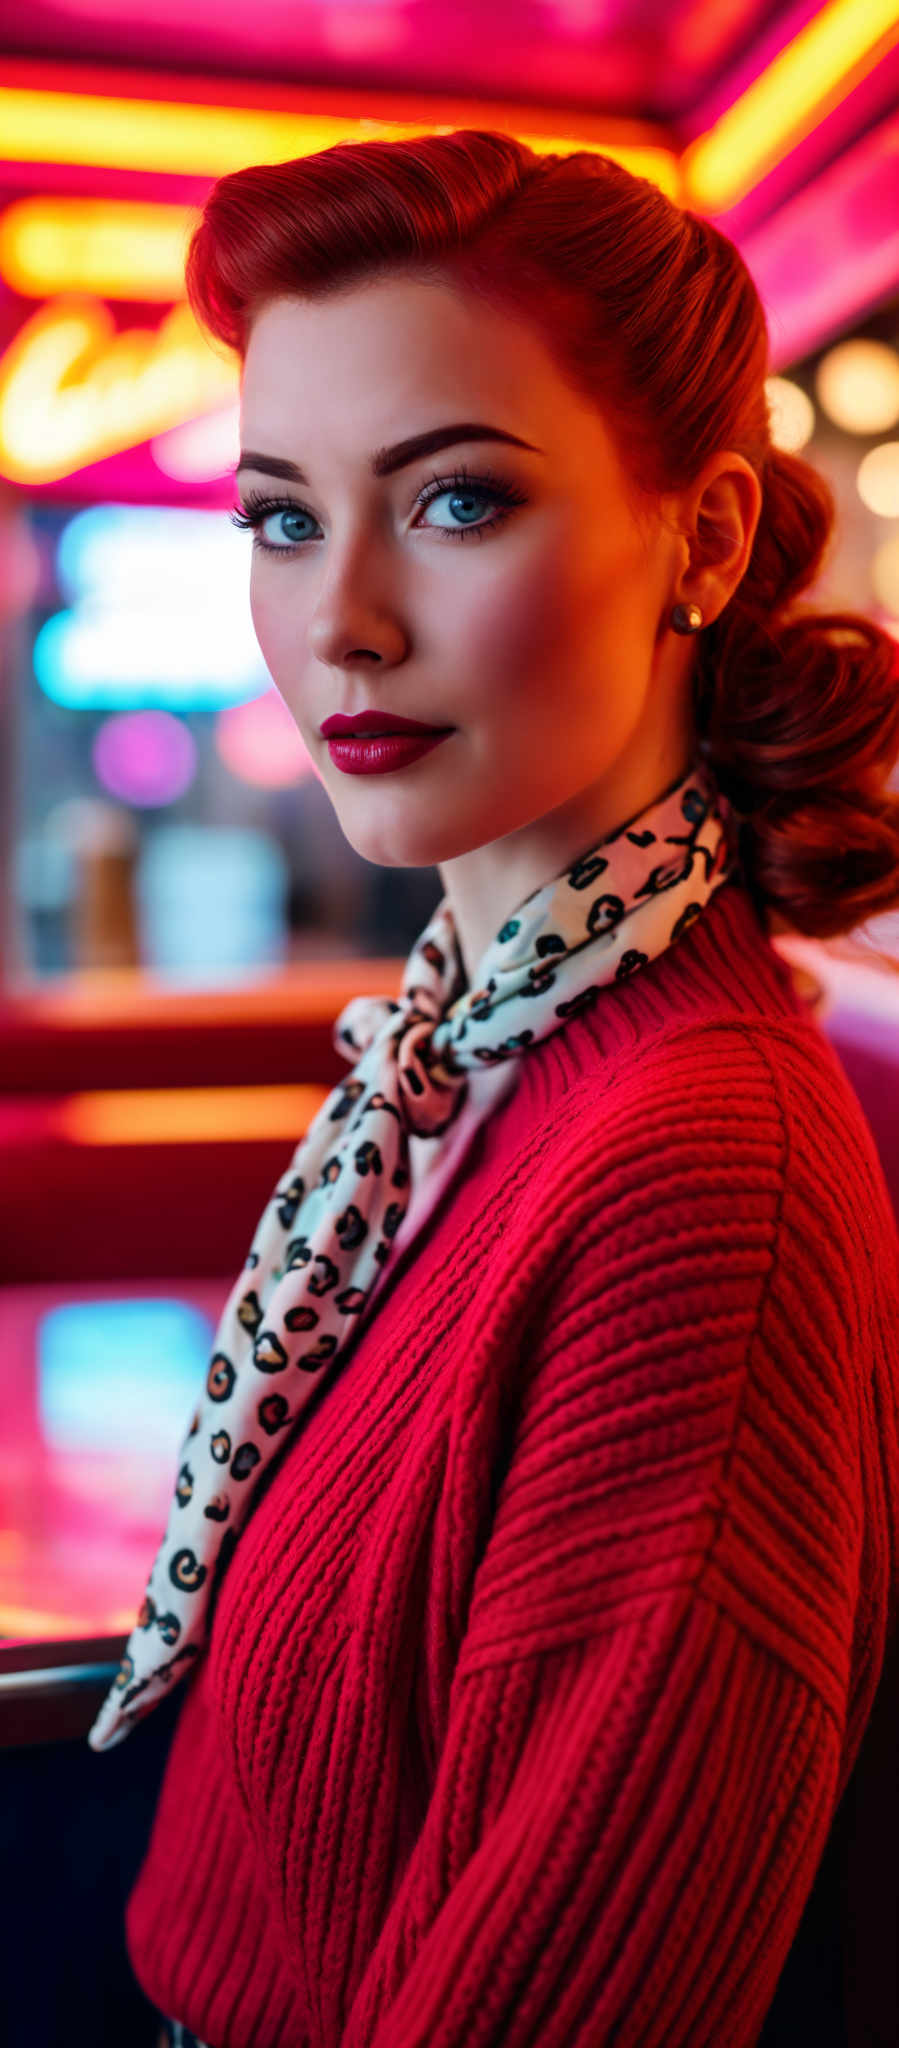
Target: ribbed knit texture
{"x": 543, "y": 1660}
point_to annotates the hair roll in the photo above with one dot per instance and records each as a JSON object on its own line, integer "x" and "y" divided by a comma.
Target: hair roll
{"x": 798, "y": 711}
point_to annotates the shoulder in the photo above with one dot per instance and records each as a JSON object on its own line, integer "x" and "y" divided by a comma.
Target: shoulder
{"x": 773, "y": 1085}
{"x": 741, "y": 1134}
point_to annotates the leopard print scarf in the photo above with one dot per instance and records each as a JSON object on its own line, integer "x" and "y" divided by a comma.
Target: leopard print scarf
{"x": 327, "y": 1232}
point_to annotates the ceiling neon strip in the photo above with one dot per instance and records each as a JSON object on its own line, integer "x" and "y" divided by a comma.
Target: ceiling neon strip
{"x": 805, "y": 81}
{"x": 180, "y": 137}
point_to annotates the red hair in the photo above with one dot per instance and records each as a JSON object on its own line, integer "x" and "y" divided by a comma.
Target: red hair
{"x": 650, "y": 312}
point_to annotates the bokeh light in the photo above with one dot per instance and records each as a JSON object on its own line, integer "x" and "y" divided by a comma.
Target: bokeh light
{"x": 791, "y": 413}
{"x": 146, "y": 757}
{"x": 260, "y": 744}
{"x": 857, "y": 384}
{"x": 878, "y": 480}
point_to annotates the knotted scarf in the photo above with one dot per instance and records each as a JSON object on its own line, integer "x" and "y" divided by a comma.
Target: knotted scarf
{"x": 328, "y": 1230}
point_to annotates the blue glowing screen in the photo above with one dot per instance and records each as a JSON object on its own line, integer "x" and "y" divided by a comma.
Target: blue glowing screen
{"x": 120, "y": 1374}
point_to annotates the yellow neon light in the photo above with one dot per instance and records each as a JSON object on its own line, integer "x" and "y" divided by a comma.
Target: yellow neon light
{"x": 39, "y": 126}
{"x": 799, "y": 87}
{"x": 151, "y": 135}
{"x": 187, "y": 1116}
{"x": 118, "y": 248}
{"x": 73, "y": 389}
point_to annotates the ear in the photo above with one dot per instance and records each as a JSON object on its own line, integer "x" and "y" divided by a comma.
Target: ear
{"x": 720, "y": 515}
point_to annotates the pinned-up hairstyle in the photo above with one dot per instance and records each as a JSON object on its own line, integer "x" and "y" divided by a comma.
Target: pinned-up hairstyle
{"x": 649, "y": 312}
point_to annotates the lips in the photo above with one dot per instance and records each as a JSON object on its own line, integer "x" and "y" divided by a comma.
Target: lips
{"x": 383, "y": 753}
{"x": 365, "y": 724}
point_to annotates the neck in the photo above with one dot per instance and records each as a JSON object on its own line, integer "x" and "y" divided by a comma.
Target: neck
{"x": 487, "y": 884}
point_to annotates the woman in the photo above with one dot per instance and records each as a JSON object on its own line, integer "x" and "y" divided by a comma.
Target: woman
{"x": 521, "y": 1703}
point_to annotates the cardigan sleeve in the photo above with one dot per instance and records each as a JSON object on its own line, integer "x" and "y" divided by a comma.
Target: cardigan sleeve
{"x": 619, "y": 1849}
{"x": 645, "y": 1743}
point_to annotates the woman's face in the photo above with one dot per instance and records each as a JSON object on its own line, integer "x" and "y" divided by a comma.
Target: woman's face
{"x": 537, "y": 629}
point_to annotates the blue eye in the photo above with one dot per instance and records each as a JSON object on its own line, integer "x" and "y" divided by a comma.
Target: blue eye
{"x": 460, "y": 485}
{"x": 270, "y": 508}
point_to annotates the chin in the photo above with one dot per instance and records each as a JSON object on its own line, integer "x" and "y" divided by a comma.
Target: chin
{"x": 389, "y": 851}
{"x": 425, "y": 848}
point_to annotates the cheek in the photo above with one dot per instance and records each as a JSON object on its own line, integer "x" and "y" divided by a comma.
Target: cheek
{"x": 512, "y": 624}
{"x": 271, "y": 616}
{"x": 526, "y": 635}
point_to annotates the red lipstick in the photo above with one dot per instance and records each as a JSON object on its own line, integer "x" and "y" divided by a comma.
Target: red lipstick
{"x": 379, "y": 742}
{"x": 382, "y": 753}
{"x": 365, "y": 722}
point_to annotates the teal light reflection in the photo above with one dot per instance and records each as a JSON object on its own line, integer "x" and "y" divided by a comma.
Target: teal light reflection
{"x": 120, "y": 1374}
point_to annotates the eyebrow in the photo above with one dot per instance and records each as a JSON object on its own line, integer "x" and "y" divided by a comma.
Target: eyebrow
{"x": 386, "y": 460}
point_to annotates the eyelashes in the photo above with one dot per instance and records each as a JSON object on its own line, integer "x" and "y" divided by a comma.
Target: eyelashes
{"x": 496, "y": 490}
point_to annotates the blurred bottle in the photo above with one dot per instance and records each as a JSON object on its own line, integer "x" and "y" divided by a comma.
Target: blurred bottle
{"x": 102, "y": 920}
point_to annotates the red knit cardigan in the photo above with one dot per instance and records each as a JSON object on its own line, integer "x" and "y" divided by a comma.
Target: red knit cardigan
{"x": 543, "y": 1660}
